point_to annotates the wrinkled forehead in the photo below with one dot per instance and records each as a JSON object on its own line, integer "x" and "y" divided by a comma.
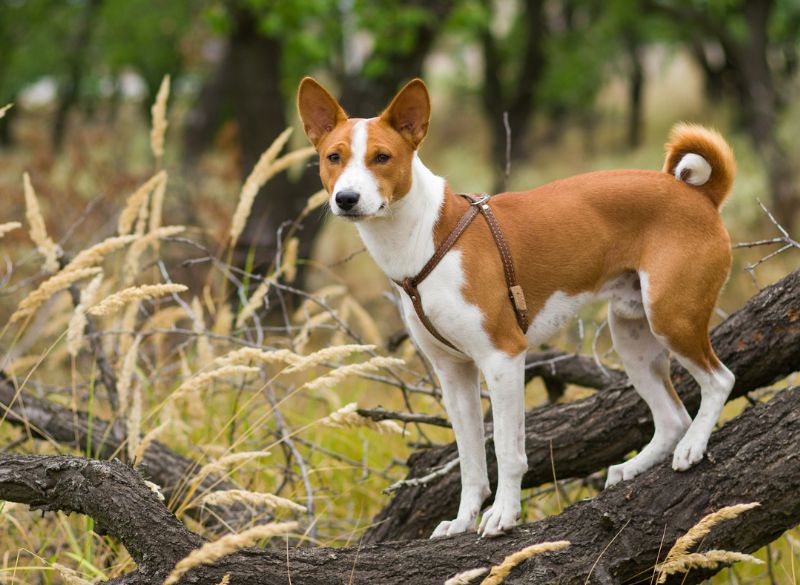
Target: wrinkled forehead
{"x": 378, "y": 133}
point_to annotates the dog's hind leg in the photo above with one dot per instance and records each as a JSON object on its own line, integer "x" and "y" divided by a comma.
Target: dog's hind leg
{"x": 461, "y": 393}
{"x": 646, "y": 362}
{"x": 505, "y": 377}
{"x": 679, "y": 309}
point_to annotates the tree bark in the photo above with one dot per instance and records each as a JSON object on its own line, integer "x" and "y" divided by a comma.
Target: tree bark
{"x": 615, "y": 537}
{"x": 584, "y": 436}
{"x": 170, "y": 471}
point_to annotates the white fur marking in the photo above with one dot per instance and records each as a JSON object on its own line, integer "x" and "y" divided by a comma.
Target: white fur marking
{"x": 357, "y": 177}
{"x": 698, "y": 167}
{"x": 557, "y": 311}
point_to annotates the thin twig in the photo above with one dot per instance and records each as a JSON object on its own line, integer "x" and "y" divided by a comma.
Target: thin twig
{"x": 425, "y": 479}
{"x": 379, "y": 414}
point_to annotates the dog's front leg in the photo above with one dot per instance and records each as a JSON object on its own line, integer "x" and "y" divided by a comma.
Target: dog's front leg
{"x": 461, "y": 393}
{"x": 505, "y": 378}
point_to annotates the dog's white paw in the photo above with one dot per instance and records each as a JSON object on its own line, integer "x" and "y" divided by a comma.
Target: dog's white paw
{"x": 630, "y": 469}
{"x": 616, "y": 474}
{"x": 500, "y": 518}
{"x": 453, "y": 527}
{"x": 690, "y": 450}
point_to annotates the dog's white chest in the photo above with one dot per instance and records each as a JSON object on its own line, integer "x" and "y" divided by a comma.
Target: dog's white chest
{"x": 455, "y": 319}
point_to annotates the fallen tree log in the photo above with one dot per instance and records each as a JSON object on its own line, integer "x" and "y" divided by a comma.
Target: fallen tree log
{"x": 615, "y": 537}
{"x": 76, "y": 429}
{"x": 760, "y": 343}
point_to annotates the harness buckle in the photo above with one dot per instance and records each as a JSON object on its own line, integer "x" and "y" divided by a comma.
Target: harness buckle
{"x": 480, "y": 200}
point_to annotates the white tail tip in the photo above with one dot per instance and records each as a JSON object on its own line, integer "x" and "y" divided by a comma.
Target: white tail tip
{"x": 693, "y": 169}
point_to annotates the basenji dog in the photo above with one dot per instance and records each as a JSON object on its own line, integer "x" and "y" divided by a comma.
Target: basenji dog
{"x": 650, "y": 242}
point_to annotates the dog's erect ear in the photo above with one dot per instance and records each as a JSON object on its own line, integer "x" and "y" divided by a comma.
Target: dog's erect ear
{"x": 318, "y": 109}
{"x": 410, "y": 112}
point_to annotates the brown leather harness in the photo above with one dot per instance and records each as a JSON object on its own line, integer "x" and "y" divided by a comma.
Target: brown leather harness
{"x": 515, "y": 293}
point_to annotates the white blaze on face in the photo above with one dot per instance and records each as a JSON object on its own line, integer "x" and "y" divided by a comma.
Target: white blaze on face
{"x": 358, "y": 178}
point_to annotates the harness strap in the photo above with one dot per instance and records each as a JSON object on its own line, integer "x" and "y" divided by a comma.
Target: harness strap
{"x": 515, "y": 292}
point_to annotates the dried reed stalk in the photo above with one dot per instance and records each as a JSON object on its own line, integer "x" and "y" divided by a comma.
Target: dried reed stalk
{"x": 157, "y": 205}
{"x": 501, "y": 571}
{"x": 702, "y": 528}
{"x": 347, "y": 417}
{"x": 136, "y": 201}
{"x": 679, "y": 559}
{"x": 367, "y": 325}
{"x": 197, "y": 382}
{"x": 38, "y": 231}
{"x": 304, "y": 335}
{"x": 251, "y": 354}
{"x": 77, "y": 323}
{"x": 134, "y": 421}
{"x": 254, "y": 303}
{"x": 213, "y": 551}
{"x": 316, "y": 200}
{"x": 48, "y": 288}
{"x": 707, "y": 560}
{"x": 257, "y": 177}
{"x": 125, "y": 375}
{"x": 147, "y": 440}
{"x": 155, "y": 488}
{"x": 339, "y": 374}
{"x": 327, "y": 354}
{"x": 131, "y": 267}
{"x": 70, "y": 576}
{"x": 5, "y": 109}
{"x": 113, "y": 303}
{"x": 94, "y": 255}
{"x": 159, "y": 114}
{"x": 9, "y": 227}
{"x": 312, "y": 305}
{"x": 227, "y": 461}
{"x": 466, "y": 577}
{"x": 289, "y": 264}
{"x": 255, "y": 499}
{"x": 204, "y": 353}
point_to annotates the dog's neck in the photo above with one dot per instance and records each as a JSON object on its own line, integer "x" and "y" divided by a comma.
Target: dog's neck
{"x": 402, "y": 242}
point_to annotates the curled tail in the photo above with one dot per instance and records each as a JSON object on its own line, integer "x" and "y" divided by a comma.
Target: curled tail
{"x": 700, "y": 157}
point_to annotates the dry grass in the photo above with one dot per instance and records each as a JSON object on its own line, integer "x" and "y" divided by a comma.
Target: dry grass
{"x": 115, "y": 302}
{"x": 38, "y": 231}
{"x": 678, "y": 559}
{"x": 256, "y": 499}
{"x": 501, "y": 571}
{"x": 159, "y": 123}
{"x": 213, "y": 551}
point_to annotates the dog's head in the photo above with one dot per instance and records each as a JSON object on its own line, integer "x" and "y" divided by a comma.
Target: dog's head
{"x": 365, "y": 164}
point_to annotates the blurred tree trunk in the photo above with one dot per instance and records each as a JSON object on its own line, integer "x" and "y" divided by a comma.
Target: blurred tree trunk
{"x": 364, "y": 95}
{"x": 246, "y": 85}
{"x": 761, "y": 108}
{"x": 757, "y": 86}
{"x": 78, "y": 53}
{"x": 635, "y": 88}
{"x": 518, "y": 98}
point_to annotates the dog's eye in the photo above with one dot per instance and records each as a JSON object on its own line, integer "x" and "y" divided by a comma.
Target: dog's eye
{"x": 334, "y": 157}
{"x": 382, "y": 158}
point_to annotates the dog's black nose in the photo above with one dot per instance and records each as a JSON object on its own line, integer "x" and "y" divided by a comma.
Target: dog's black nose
{"x": 346, "y": 200}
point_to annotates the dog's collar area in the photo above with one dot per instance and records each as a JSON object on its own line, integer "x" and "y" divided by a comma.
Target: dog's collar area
{"x": 516, "y": 295}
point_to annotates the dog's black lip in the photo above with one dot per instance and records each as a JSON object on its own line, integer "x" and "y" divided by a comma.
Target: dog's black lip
{"x": 352, "y": 215}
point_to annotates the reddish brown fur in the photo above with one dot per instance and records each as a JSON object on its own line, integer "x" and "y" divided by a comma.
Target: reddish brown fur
{"x": 571, "y": 235}
{"x": 686, "y": 138}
